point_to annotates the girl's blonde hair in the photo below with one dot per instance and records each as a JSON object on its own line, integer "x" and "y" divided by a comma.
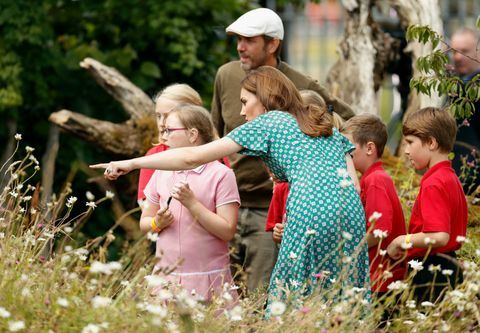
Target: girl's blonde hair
{"x": 276, "y": 92}
{"x": 180, "y": 93}
{"x": 194, "y": 116}
{"x": 312, "y": 97}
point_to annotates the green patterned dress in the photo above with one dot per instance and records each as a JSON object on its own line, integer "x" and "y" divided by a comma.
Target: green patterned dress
{"x": 325, "y": 217}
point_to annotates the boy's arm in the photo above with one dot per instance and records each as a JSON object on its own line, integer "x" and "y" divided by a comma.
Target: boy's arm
{"x": 418, "y": 240}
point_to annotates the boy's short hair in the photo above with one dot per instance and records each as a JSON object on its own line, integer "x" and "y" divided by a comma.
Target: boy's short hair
{"x": 365, "y": 128}
{"x": 432, "y": 122}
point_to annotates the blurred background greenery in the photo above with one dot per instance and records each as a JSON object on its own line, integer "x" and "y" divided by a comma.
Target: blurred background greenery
{"x": 153, "y": 43}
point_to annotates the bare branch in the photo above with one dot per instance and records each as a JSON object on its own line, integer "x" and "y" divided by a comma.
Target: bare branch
{"x": 133, "y": 99}
{"x": 126, "y": 139}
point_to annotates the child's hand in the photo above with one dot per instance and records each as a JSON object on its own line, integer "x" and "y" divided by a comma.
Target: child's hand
{"x": 394, "y": 249}
{"x": 182, "y": 192}
{"x": 163, "y": 218}
{"x": 278, "y": 232}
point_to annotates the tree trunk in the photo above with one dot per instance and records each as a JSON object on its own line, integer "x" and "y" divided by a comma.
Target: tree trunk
{"x": 363, "y": 55}
{"x": 48, "y": 163}
{"x": 365, "y": 51}
{"x": 414, "y": 12}
{"x": 8, "y": 152}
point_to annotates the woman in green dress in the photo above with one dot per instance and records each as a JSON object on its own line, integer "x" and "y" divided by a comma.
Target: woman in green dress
{"x": 298, "y": 144}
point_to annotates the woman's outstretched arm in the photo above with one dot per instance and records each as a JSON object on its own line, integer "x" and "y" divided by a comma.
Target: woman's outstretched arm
{"x": 185, "y": 158}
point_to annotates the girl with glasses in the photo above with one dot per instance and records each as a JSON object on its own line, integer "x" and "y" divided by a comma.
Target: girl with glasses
{"x": 193, "y": 211}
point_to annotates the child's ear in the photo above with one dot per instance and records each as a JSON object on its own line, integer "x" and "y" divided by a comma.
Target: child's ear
{"x": 371, "y": 148}
{"x": 193, "y": 135}
{"x": 432, "y": 143}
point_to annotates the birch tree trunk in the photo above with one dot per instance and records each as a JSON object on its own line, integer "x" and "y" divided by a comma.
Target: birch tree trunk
{"x": 414, "y": 12}
{"x": 365, "y": 51}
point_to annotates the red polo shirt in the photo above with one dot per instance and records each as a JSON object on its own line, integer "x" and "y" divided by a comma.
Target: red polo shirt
{"x": 440, "y": 207}
{"x": 378, "y": 194}
{"x": 146, "y": 174}
{"x": 278, "y": 206}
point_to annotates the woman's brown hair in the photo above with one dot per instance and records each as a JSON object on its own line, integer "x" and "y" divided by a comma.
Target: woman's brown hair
{"x": 276, "y": 92}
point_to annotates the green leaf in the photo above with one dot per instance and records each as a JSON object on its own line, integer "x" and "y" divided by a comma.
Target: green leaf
{"x": 151, "y": 69}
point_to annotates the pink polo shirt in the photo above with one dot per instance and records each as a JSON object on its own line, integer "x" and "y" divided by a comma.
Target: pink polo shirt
{"x": 206, "y": 264}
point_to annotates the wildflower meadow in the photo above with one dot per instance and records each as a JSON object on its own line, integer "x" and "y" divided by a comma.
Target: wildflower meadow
{"x": 53, "y": 280}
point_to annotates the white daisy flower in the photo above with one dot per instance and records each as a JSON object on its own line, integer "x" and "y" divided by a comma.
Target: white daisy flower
{"x": 154, "y": 281}
{"x": 416, "y": 265}
{"x": 109, "y": 195}
{"x": 16, "y": 325}
{"x": 342, "y": 172}
{"x": 346, "y": 235}
{"x": 374, "y": 217}
{"x": 433, "y": 268}
{"x": 447, "y": 272}
{"x": 63, "y": 302}
{"x": 91, "y": 204}
{"x": 108, "y": 268}
{"x": 406, "y": 246}
{"x": 71, "y": 201}
{"x": 18, "y": 137}
{"x": 377, "y": 233}
{"x": 152, "y": 236}
{"x": 461, "y": 239}
{"x": 157, "y": 310}
{"x": 427, "y": 304}
{"x": 411, "y": 304}
{"x": 235, "y": 314}
{"x": 429, "y": 241}
{"x": 90, "y": 196}
{"x": 4, "y": 313}
{"x": 277, "y": 308}
{"x": 101, "y": 302}
{"x": 344, "y": 183}
{"x": 91, "y": 328}
{"x": 397, "y": 285}
{"x": 387, "y": 274}
{"x": 310, "y": 232}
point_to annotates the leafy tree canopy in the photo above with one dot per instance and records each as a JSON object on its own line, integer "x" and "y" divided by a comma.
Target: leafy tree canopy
{"x": 153, "y": 43}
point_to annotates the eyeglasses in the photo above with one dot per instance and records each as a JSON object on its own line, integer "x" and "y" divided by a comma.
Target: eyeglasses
{"x": 168, "y": 130}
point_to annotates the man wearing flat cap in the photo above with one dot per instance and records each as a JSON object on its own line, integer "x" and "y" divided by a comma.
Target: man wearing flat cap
{"x": 259, "y": 35}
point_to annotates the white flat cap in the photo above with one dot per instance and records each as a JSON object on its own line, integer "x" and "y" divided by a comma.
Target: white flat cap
{"x": 257, "y": 22}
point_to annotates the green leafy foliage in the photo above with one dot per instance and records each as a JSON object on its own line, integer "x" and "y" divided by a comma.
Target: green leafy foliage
{"x": 436, "y": 77}
{"x": 153, "y": 43}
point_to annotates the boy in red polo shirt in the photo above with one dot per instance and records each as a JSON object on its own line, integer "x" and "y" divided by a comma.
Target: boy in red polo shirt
{"x": 384, "y": 214}
{"x": 438, "y": 223}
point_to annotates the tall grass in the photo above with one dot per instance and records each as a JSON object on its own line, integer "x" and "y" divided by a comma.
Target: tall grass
{"x": 51, "y": 283}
